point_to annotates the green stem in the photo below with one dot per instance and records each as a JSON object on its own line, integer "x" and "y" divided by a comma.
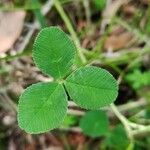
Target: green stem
{"x": 40, "y": 17}
{"x": 65, "y": 141}
{"x": 141, "y": 130}
{"x": 66, "y": 20}
{"x": 123, "y": 120}
{"x": 136, "y": 32}
{"x": 87, "y": 11}
{"x": 12, "y": 57}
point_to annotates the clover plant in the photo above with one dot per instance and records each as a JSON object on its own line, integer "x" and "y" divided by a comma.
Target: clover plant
{"x": 43, "y": 106}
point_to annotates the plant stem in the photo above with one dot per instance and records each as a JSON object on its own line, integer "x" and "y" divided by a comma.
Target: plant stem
{"x": 10, "y": 103}
{"x": 40, "y": 17}
{"x": 123, "y": 120}
{"x": 136, "y": 32}
{"x": 67, "y": 22}
{"x": 65, "y": 141}
{"x": 141, "y": 130}
{"x": 87, "y": 11}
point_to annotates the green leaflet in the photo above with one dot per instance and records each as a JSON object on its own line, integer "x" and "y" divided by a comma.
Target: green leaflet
{"x": 118, "y": 139}
{"x": 94, "y": 123}
{"x": 42, "y": 107}
{"x": 54, "y": 52}
{"x": 99, "y": 4}
{"x": 92, "y": 87}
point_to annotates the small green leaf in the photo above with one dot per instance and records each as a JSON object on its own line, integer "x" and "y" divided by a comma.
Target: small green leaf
{"x": 118, "y": 138}
{"x": 42, "y": 107}
{"x": 54, "y": 52}
{"x": 70, "y": 121}
{"x": 99, "y": 4}
{"x": 92, "y": 87}
{"x": 138, "y": 79}
{"x": 95, "y": 123}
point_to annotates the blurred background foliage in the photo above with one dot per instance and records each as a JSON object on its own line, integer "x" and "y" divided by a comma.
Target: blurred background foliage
{"x": 112, "y": 34}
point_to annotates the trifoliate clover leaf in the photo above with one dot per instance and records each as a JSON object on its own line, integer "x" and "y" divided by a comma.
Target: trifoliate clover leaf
{"x": 43, "y": 106}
